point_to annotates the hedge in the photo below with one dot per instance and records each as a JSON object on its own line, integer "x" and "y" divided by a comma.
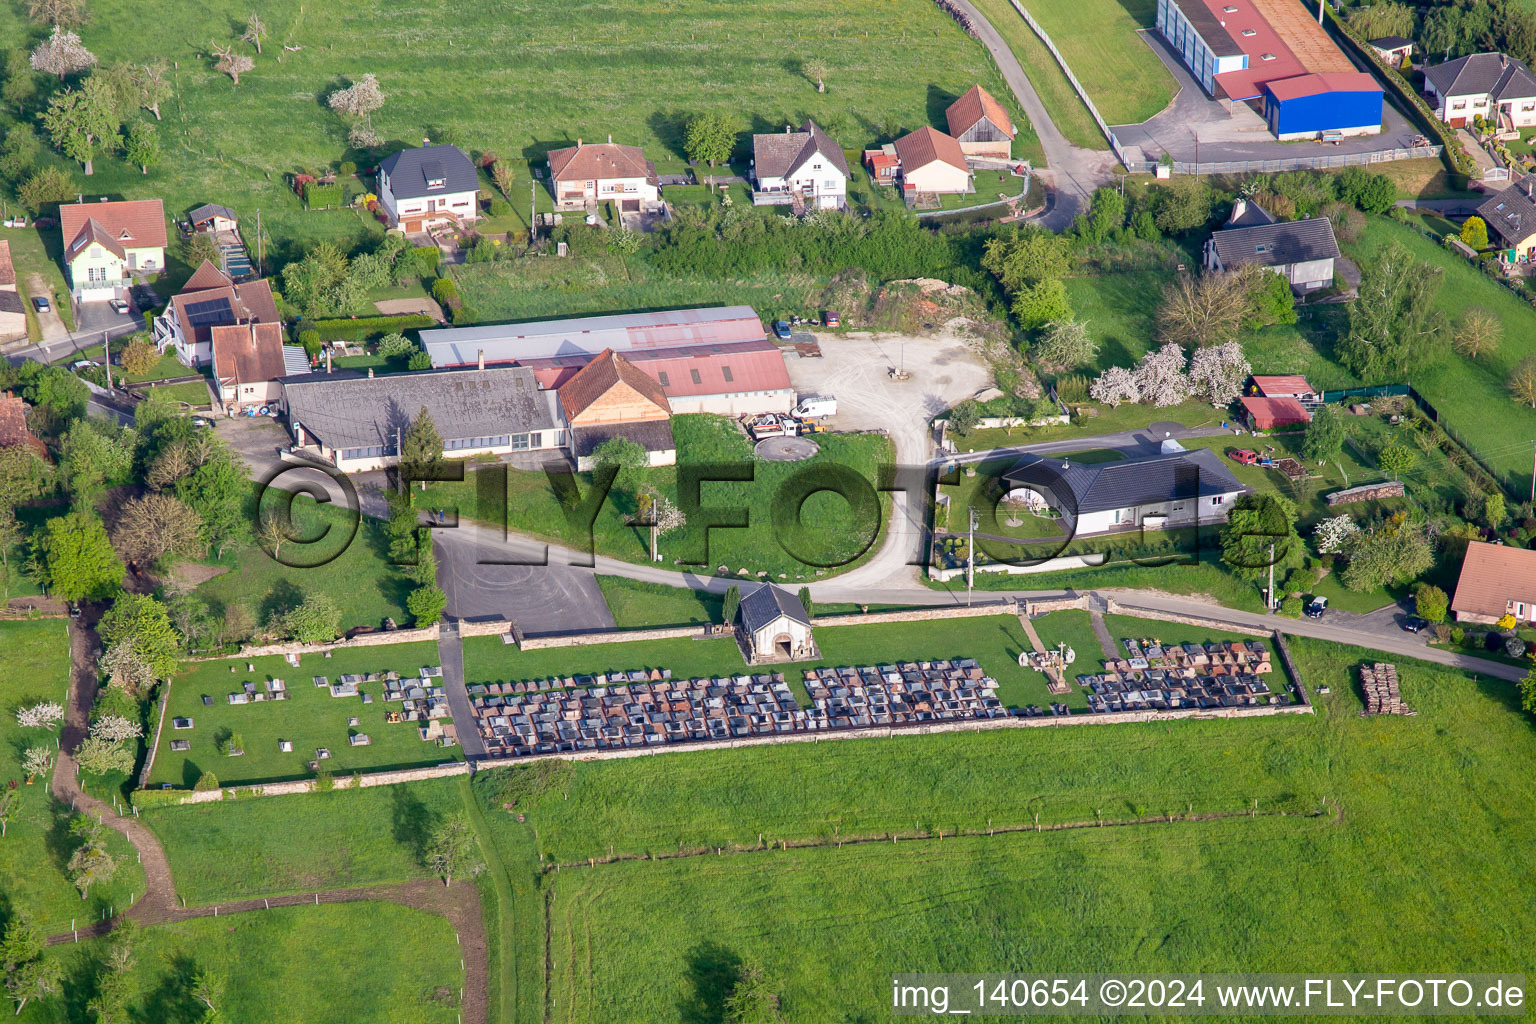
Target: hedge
{"x": 144, "y": 799}
{"x": 427, "y": 258}
{"x": 319, "y": 196}
{"x": 366, "y": 328}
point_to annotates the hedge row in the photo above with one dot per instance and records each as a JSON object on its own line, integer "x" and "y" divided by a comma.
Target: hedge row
{"x": 365, "y": 328}
{"x": 144, "y": 799}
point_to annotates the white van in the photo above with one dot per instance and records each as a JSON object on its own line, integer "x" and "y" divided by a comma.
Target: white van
{"x": 816, "y": 406}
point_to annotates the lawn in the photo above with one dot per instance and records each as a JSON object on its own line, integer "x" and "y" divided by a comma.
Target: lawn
{"x": 309, "y": 718}
{"x": 236, "y": 849}
{"x": 1105, "y": 420}
{"x": 637, "y": 605}
{"x": 1367, "y": 889}
{"x": 355, "y": 575}
{"x": 1067, "y": 112}
{"x": 351, "y": 961}
{"x": 34, "y": 666}
{"x": 834, "y": 533}
{"x": 34, "y": 251}
{"x": 574, "y": 71}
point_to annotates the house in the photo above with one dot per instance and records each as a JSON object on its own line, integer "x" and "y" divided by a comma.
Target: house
{"x": 1301, "y": 251}
{"x": 805, "y": 168}
{"x": 1496, "y": 580}
{"x": 582, "y": 176}
{"x": 715, "y": 359}
{"x": 213, "y": 218}
{"x": 932, "y": 162}
{"x": 610, "y": 398}
{"x": 13, "y": 311}
{"x": 419, "y": 188}
{"x": 248, "y": 361}
{"x": 882, "y": 165}
{"x": 980, "y": 124}
{"x": 1393, "y": 50}
{"x": 210, "y": 299}
{"x": 108, "y": 244}
{"x": 1511, "y": 219}
{"x": 1499, "y": 88}
{"x": 1273, "y": 55}
{"x": 1286, "y": 386}
{"x": 1167, "y": 489}
{"x": 355, "y": 422}
{"x": 775, "y": 626}
{"x": 13, "y": 425}
{"x": 1262, "y": 413}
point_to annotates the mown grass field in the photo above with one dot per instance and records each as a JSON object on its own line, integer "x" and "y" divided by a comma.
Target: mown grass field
{"x": 517, "y": 80}
{"x": 350, "y": 961}
{"x": 34, "y": 666}
{"x": 309, "y": 718}
{"x": 1067, "y": 112}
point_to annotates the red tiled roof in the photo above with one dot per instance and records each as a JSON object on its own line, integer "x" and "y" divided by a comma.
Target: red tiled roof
{"x": 206, "y": 276}
{"x": 250, "y": 301}
{"x": 1493, "y": 575}
{"x": 248, "y": 353}
{"x": 928, "y": 145}
{"x": 1282, "y": 385}
{"x": 976, "y": 104}
{"x": 13, "y": 425}
{"x": 135, "y": 223}
{"x": 602, "y": 374}
{"x": 600, "y": 161}
{"x": 7, "y": 270}
{"x": 1269, "y": 413}
{"x": 754, "y": 365}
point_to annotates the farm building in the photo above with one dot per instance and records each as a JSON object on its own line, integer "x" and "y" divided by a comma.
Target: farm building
{"x": 13, "y": 315}
{"x": 1169, "y": 489}
{"x": 583, "y": 175}
{"x": 1286, "y": 386}
{"x": 213, "y": 217}
{"x": 775, "y": 626}
{"x": 706, "y": 360}
{"x": 1393, "y": 49}
{"x": 1496, "y": 580}
{"x": 805, "y": 169}
{"x": 980, "y": 124}
{"x": 355, "y": 422}
{"x": 210, "y": 299}
{"x": 248, "y": 361}
{"x": 1272, "y": 55}
{"x": 108, "y": 244}
{"x": 1494, "y": 86}
{"x": 1301, "y": 251}
{"x": 932, "y": 162}
{"x": 1511, "y": 219}
{"x": 610, "y": 398}
{"x": 1262, "y": 413}
{"x": 882, "y": 164}
{"x": 432, "y": 185}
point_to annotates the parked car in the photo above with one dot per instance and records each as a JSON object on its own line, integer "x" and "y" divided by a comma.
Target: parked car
{"x": 1317, "y": 607}
{"x": 40, "y": 304}
{"x": 120, "y": 307}
{"x": 1414, "y": 624}
{"x": 781, "y": 330}
{"x": 1243, "y": 456}
{"x": 831, "y": 319}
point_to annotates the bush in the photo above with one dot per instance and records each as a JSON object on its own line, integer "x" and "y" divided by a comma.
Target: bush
{"x": 365, "y": 328}
{"x": 419, "y": 361}
{"x": 1493, "y": 642}
{"x": 1290, "y": 607}
{"x": 310, "y": 339}
{"x": 206, "y": 782}
{"x": 426, "y": 259}
{"x": 1514, "y": 647}
{"x": 498, "y": 207}
{"x": 347, "y": 169}
{"x": 444, "y": 290}
{"x": 1458, "y": 635}
{"x": 139, "y": 356}
{"x": 465, "y": 315}
{"x": 318, "y": 196}
{"x": 1441, "y": 632}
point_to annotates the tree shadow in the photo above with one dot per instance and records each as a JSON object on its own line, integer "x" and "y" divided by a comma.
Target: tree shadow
{"x": 283, "y": 598}
{"x": 938, "y": 101}
{"x": 669, "y": 126}
{"x": 412, "y": 821}
{"x": 171, "y": 1000}
{"x": 190, "y": 773}
{"x": 712, "y": 972}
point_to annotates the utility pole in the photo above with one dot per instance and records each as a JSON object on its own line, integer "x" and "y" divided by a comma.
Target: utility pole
{"x": 533, "y": 200}
{"x": 106, "y": 355}
{"x": 1269, "y": 596}
{"x": 970, "y": 554}
{"x": 1533, "y": 471}
{"x": 260, "y": 250}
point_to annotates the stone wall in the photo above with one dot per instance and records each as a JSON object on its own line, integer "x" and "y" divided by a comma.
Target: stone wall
{"x": 1114, "y": 607}
{"x": 617, "y": 636}
{"x": 1005, "y": 607}
{"x": 494, "y": 627}
{"x": 380, "y": 639}
{"x": 361, "y": 780}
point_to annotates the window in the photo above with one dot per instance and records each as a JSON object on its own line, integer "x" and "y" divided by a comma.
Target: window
{"x": 1266, "y": 56}
{"x": 1216, "y": 500}
{"x": 1229, "y": 9}
{"x": 695, "y": 375}
{"x": 1459, "y": 106}
{"x": 725, "y": 371}
{"x": 536, "y": 440}
{"x": 1261, "y": 248}
{"x": 662, "y": 376}
{"x": 1519, "y": 609}
{"x": 1249, "y": 32}
{"x": 519, "y": 442}
{"x": 371, "y": 452}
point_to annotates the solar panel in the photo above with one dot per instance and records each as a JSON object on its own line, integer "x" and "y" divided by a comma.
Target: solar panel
{"x": 209, "y": 313}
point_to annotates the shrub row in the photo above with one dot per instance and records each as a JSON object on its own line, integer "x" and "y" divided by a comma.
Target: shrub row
{"x": 365, "y": 328}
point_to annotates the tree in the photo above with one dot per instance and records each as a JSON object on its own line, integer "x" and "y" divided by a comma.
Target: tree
{"x": 1478, "y": 332}
{"x": 1324, "y": 438}
{"x": 1260, "y": 532}
{"x": 216, "y": 488}
{"x": 1183, "y": 204}
{"x": 1528, "y": 692}
{"x": 393, "y": 346}
{"x": 199, "y": 248}
{"x": 1026, "y": 257}
{"x": 7, "y": 806}
{"x": 110, "y": 1004}
{"x": 19, "y": 153}
{"x": 1065, "y": 345}
{"x": 156, "y": 526}
{"x": 82, "y": 121}
{"x": 139, "y": 356}
{"x": 1205, "y": 310}
{"x": 114, "y": 728}
{"x": 1042, "y": 303}
{"x": 1115, "y": 386}
{"x": 1394, "y": 326}
{"x": 358, "y": 102}
{"x": 102, "y": 757}
{"x": 1430, "y": 602}
{"x": 316, "y": 620}
{"x": 710, "y": 137}
{"x": 1270, "y": 299}
{"x": 805, "y": 601}
{"x": 20, "y": 84}
{"x": 1370, "y": 193}
{"x": 42, "y": 715}
{"x": 451, "y": 848}
{"x": 421, "y": 447}
{"x": 1160, "y": 376}
{"x": 730, "y": 604}
{"x": 255, "y": 32}
{"x": 21, "y": 941}
{"x": 206, "y": 783}
{"x": 34, "y": 979}
{"x": 1382, "y": 19}
{"x": 1391, "y": 553}
{"x": 426, "y": 604}
{"x": 622, "y": 453}
{"x": 144, "y": 623}
{"x": 208, "y": 987}
{"x": 1106, "y": 214}
{"x": 1216, "y": 373}
{"x": 142, "y": 146}
{"x": 47, "y": 187}
{"x": 75, "y": 557}
{"x": 1522, "y": 382}
{"x": 146, "y": 86}
{"x": 660, "y": 515}
{"x": 62, "y": 54}
{"x": 125, "y": 667}
{"x": 816, "y": 71}
{"x": 752, "y": 999}
{"x": 1443, "y": 30}
{"x": 36, "y": 761}
{"x": 503, "y": 178}
{"x": 1474, "y": 232}
{"x": 231, "y": 63}
{"x": 1396, "y": 458}
{"x": 57, "y": 12}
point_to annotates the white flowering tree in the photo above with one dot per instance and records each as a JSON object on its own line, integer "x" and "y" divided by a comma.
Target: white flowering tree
{"x": 1161, "y": 376}
{"x": 1115, "y": 386}
{"x": 1331, "y": 534}
{"x": 42, "y": 715}
{"x": 37, "y": 760}
{"x": 116, "y": 727}
{"x": 1216, "y": 373}
{"x": 62, "y": 54}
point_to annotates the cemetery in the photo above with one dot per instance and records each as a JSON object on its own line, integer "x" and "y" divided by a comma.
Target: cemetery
{"x": 1158, "y": 677}
{"x": 368, "y": 709}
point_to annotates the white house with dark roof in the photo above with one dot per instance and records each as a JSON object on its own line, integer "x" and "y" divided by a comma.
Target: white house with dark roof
{"x": 355, "y": 422}
{"x": 1301, "y": 251}
{"x": 1169, "y": 489}
{"x": 775, "y": 626}
{"x": 805, "y": 168}
{"x": 1511, "y": 219}
{"x": 1497, "y": 86}
{"x": 431, "y": 185}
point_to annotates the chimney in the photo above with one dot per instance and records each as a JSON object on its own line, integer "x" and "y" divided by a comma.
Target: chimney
{"x": 370, "y": 373}
{"x": 480, "y": 359}
{"x": 610, "y": 138}
{"x": 578, "y": 143}
{"x": 786, "y": 129}
{"x": 1239, "y": 207}
{"x": 425, "y": 142}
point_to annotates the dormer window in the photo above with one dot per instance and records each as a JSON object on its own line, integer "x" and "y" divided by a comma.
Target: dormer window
{"x": 432, "y": 170}
{"x": 1250, "y": 32}
{"x": 1266, "y": 56}
{"x": 1229, "y": 9}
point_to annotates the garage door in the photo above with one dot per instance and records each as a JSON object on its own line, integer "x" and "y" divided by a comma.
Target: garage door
{"x": 629, "y": 206}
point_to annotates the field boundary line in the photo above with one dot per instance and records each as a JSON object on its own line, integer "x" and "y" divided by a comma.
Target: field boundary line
{"x": 502, "y": 883}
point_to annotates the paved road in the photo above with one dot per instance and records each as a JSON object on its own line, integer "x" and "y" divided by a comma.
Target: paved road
{"x": 450, "y": 654}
